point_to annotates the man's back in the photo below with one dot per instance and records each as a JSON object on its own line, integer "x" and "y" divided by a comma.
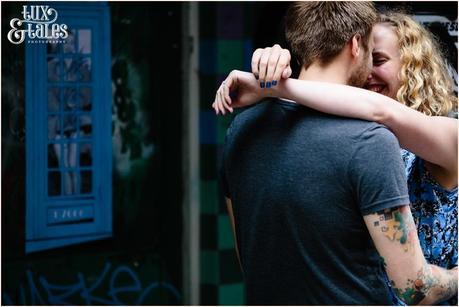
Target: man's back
{"x": 300, "y": 182}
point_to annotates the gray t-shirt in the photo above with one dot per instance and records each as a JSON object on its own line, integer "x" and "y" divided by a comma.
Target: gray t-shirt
{"x": 300, "y": 182}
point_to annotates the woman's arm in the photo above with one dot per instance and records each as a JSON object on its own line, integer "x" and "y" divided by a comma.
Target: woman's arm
{"x": 433, "y": 138}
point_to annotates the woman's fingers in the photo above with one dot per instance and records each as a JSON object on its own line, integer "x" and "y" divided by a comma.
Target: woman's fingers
{"x": 283, "y": 64}
{"x": 274, "y": 56}
{"x": 227, "y": 98}
{"x": 263, "y": 65}
{"x": 256, "y": 61}
{"x": 224, "y": 100}
{"x": 271, "y": 64}
{"x": 287, "y": 72}
{"x": 221, "y": 103}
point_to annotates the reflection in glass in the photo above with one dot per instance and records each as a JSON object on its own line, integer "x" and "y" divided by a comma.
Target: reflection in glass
{"x": 70, "y": 69}
{"x": 85, "y": 69}
{"x": 85, "y": 98}
{"x": 85, "y": 154}
{"x": 86, "y": 182}
{"x": 84, "y": 41}
{"x": 54, "y": 127}
{"x": 70, "y": 183}
{"x": 52, "y": 47}
{"x": 70, "y": 126}
{"x": 54, "y": 183}
{"x": 54, "y": 69}
{"x": 53, "y": 99}
{"x": 69, "y": 45}
{"x": 53, "y": 155}
{"x": 85, "y": 125}
{"x": 70, "y": 98}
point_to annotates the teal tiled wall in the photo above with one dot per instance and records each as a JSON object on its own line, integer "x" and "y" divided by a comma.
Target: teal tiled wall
{"x": 224, "y": 46}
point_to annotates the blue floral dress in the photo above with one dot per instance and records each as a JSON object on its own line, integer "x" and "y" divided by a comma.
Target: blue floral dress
{"x": 434, "y": 211}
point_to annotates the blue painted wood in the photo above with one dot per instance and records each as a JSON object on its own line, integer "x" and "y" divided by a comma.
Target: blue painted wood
{"x": 54, "y": 219}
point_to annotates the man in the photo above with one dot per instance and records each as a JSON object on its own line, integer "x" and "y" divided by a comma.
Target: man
{"x": 319, "y": 203}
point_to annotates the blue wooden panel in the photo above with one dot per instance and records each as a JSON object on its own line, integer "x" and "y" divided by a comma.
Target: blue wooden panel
{"x": 68, "y": 123}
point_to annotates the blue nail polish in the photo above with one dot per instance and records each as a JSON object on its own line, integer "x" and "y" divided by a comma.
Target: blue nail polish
{"x": 262, "y": 84}
{"x": 268, "y": 84}
{"x": 274, "y": 83}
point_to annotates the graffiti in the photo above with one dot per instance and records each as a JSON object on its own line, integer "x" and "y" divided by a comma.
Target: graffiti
{"x": 121, "y": 281}
{"x": 130, "y": 126}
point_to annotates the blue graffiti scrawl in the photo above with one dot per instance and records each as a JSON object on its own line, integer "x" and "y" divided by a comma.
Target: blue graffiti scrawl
{"x": 39, "y": 291}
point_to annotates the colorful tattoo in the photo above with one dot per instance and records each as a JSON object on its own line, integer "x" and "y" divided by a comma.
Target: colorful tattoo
{"x": 449, "y": 287}
{"x": 397, "y": 225}
{"x": 417, "y": 289}
{"x": 428, "y": 279}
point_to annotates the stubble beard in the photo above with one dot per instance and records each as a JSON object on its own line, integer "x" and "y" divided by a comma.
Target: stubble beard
{"x": 360, "y": 75}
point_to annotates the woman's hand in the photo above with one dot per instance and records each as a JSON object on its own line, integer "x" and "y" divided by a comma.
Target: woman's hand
{"x": 244, "y": 89}
{"x": 271, "y": 64}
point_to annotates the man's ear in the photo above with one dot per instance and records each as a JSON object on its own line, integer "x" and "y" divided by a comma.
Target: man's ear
{"x": 355, "y": 45}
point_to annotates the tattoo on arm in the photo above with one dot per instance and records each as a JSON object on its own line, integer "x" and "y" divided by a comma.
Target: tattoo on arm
{"x": 428, "y": 283}
{"x": 448, "y": 288}
{"x": 396, "y": 226}
{"x": 416, "y": 290}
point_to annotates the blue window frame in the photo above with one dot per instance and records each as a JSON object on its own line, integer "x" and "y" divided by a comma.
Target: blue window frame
{"x": 68, "y": 131}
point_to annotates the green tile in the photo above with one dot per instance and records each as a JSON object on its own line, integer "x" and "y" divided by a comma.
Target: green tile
{"x": 209, "y": 196}
{"x": 225, "y": 233}
{"x": 230, "y": 55}
{"x": 209, "y": 267}
{"x": 232, "y": 294}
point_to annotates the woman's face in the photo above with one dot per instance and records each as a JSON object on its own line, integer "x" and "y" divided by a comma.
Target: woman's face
{"x": 386, "y": 62}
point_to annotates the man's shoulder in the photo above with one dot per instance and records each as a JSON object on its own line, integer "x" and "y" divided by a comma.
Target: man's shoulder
{"x": 308, "y": 120}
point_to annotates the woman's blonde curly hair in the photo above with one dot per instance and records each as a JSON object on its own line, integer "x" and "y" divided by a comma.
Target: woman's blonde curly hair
{"x": 426, "y": 85}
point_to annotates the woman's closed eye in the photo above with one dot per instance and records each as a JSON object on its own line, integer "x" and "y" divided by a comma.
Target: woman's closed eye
{"x": 379, "y": 61}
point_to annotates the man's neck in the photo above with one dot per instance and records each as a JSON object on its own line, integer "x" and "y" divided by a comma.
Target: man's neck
{"x": 333, "y": 73}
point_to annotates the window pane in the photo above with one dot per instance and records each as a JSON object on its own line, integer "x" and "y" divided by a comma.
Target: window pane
{"x": 52, "y": 47}
{"x": 85, "y": 125}
{"x": 70, "y": 98}
{"x": 53, "y": 155}
{"x": 85, "y": 69}
{"x": 69, "y": 45}
{"x": 86, "y": 98}
{"x": 54, "y": 183}
{"x": 69, "y": 155}
{"x": 70, "y": 69}
{"x": 70, "y": 126}
{"x": 84, "y": 41}
{"x": 54, "y": 127}
{"x": 86, "y": 182}
{"x": 85, "y": 154}
{"x": 53, "y": 99}
{"x": 54, "y": 69}
{"x": 70, "y": 183}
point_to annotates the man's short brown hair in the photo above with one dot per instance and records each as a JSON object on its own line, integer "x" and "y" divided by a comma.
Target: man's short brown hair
{"x": 319, "y": 30}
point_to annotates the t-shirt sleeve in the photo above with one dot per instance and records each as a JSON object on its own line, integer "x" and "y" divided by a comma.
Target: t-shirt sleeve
{"x": 377, "y": 171}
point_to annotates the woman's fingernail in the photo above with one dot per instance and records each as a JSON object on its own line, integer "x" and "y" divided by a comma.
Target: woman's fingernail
{"x": 274, "y": 83}
{"x": 262, "y": 84}
{"x": 268, "y": 84}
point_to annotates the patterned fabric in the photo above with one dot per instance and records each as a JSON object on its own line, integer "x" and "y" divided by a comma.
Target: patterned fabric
{"x": 435, "y": 213}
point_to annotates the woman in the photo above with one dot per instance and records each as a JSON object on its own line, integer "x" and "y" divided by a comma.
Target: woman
{"x": 407, "y": 67}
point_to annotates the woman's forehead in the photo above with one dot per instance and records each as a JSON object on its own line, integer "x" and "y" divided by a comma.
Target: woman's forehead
{"x": 385, "y": 38}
